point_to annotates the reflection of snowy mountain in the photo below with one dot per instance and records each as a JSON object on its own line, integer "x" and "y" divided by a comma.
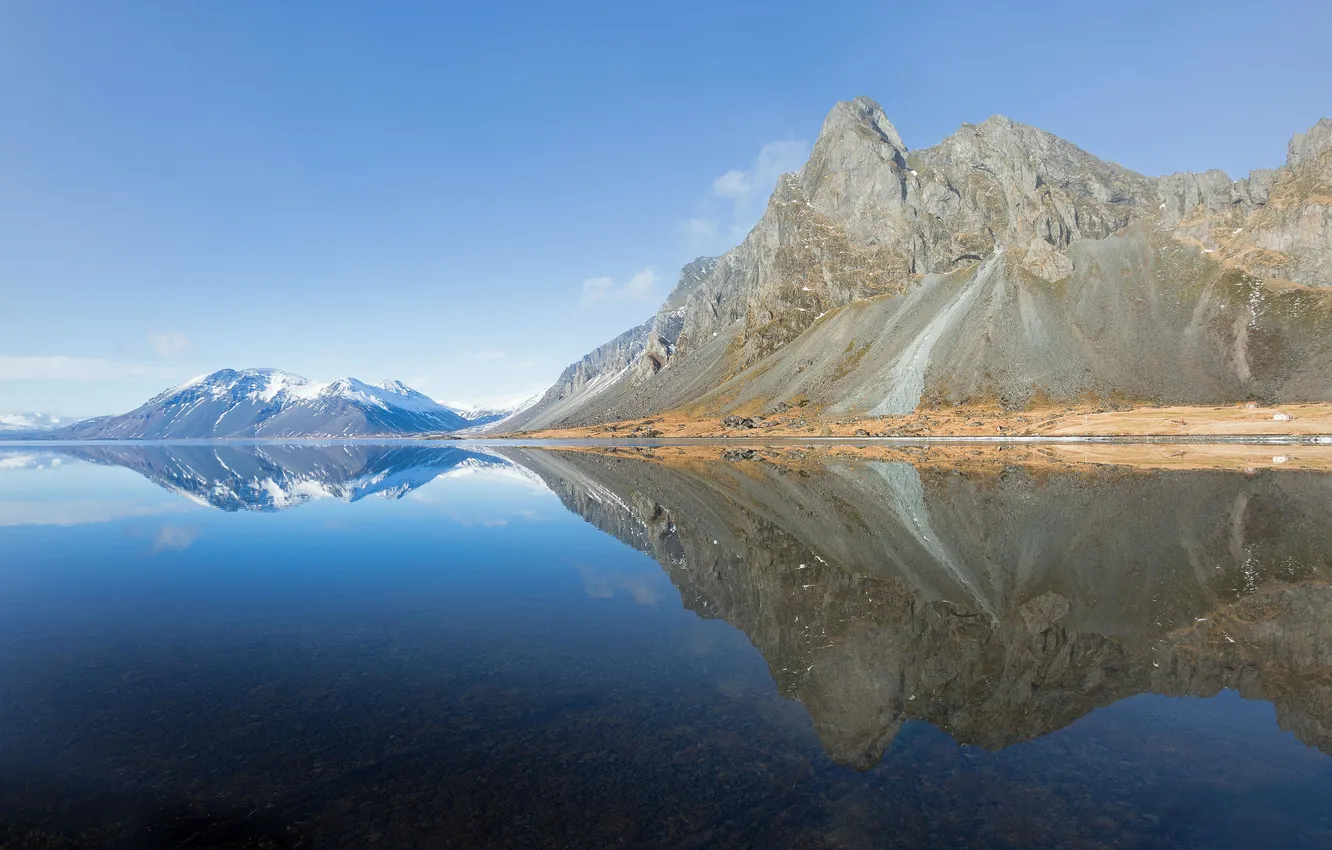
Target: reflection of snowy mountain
{"x": 269, "y": 478}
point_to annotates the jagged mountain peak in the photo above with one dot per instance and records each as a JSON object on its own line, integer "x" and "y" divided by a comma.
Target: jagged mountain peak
{"x": 1001, "y": 263}
{"x": 262, "y": 381}
{"x": 863, "y": 116}
{"x": 694, "y": 273}
{"x": 1305, "y": 146}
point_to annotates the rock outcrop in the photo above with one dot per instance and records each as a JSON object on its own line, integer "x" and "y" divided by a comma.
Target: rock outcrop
{"x": 580, "y": 384}
{"x": 1002, "y": 264}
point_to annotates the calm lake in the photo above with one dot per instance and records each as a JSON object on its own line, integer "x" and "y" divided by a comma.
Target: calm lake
{"x": 355, "y": 645}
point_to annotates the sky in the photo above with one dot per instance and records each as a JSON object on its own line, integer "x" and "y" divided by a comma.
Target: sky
{"x": 469, "y": 196}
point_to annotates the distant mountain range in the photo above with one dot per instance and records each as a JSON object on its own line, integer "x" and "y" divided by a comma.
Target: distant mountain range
{"x": 1002, "y": 265}
{"x": 31, "y": 424}
{"x": 268, "y": 403}
{"x": 481, "y": 418}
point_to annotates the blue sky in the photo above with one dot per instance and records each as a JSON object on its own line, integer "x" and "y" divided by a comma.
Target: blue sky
{"x": 468, "y": 196}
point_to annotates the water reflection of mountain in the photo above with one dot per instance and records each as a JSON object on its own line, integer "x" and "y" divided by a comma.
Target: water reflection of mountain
{"x": 272, "y": 477}
{"x": 999, "y": 604}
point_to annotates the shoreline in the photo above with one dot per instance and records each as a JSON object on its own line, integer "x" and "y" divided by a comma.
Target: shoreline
{"x": 1249, "y": 455}
{"x": 1310, "y": 421}
{"x": 1298, "y": 424}
{"x": 752, "y": 439}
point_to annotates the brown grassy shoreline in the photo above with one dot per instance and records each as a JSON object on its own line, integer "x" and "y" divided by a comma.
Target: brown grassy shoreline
{"x": 982, "y": 458}
{"x": 1308, "y": 419}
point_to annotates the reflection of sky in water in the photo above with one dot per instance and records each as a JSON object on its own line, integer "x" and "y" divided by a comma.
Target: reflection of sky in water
{"x": 44, "y": 488}
{"x": 388, "y": 664}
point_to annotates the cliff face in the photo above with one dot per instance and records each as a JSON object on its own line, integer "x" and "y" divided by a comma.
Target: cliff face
{"x": 581, "y": 384}
{"x": 1003, "y": 263}
{"x": 998, "y": 606}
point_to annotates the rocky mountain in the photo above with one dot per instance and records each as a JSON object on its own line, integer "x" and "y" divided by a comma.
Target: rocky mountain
{"x": 579, "y": 386}
{"x": 998, "y": 603}
{"x": 271, "y": 403}
{"x": 634, "y": 355}
{"x": 1003, "y": 264}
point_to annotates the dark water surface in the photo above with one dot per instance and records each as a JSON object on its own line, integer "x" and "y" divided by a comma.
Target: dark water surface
{"x": 354, "y": 645}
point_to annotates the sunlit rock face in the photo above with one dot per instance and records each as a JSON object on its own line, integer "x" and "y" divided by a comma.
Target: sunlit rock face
{"x": 999, "y": 604}
{"x": 1002, "y": 263}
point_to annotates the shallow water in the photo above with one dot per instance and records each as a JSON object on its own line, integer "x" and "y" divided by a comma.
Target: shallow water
{"x": 355, "y": 645}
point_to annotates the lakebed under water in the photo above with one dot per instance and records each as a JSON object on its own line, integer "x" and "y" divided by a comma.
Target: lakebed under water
{"x": 457, "y": 645}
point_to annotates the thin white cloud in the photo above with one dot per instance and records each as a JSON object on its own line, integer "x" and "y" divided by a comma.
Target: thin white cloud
{"x": 596, "y": 288}
{"x": 700, "y": 231}
{"x": 61, "y": 368}
{"x": 169, "y": 343}
{"x": 735, "y": 200}
{"x": 28, "y": 461}
{"x": 497, "y": 401}
{"x": 81, "y": 513}
{"x": 600, "y": 582}
{"x": 734, "y": 184}
{"x": 174, "y": 538}
{"x": 641, "y": 286}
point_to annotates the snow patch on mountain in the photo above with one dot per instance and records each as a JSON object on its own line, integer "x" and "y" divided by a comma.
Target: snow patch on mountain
{"x": 273, "y": 403}
{"x": 486, "y": 419}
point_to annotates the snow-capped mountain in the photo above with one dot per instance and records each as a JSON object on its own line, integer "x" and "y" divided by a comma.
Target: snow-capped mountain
{"x": 272, "y": 403}
{"x": 484, "y": 419}
{"x": 16, "y": 424}
{"x": 480, "y": 415}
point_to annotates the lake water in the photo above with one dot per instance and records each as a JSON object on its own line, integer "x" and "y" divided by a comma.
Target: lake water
{"x": 448, "y": 645}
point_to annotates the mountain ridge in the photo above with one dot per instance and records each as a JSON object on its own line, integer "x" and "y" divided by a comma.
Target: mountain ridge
{"x": 1003, "y": 264}
{"x": 261, "y": 403}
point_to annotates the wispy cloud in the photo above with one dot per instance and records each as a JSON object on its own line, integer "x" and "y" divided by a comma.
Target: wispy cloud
{"x": 61, "y": 368}
{"x": 738, "y": 197}
{"x": 14, "y": 513}
{"x": 10, "y": 460}
{"x": 498, "y": 400}
{"x": 641, "y": 286}
{"x": 700, "y": 231}
{"x": 601, "y": 582}
{"x": 169, "y": 343}
{"x": 174, "y": 538}
{"x": 596, "y": 288}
